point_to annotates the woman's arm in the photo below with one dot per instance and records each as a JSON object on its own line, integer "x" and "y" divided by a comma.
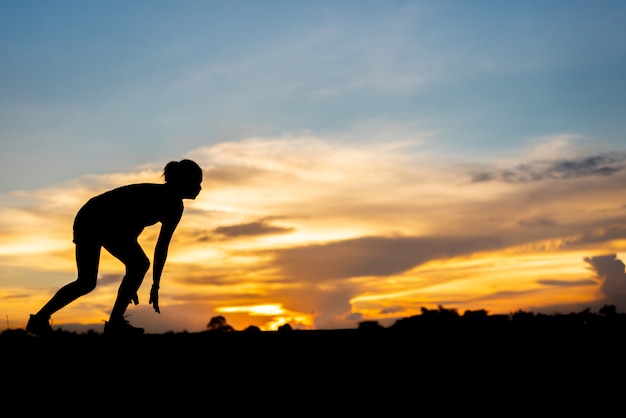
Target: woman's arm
{"x": 160, "y": 255}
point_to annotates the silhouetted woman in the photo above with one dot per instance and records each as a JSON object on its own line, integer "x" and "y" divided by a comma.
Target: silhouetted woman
{"x": 114, "y": 220}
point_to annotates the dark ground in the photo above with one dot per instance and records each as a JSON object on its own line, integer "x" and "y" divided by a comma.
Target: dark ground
{"x": 441, "y": 368}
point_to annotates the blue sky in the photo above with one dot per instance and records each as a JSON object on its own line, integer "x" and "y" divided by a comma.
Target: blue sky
{"x": 362, "y": 159}
{"x": 90, "y": 87}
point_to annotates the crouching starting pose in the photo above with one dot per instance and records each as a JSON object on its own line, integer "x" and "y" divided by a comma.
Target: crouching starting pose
{"x": 113, "y": 221}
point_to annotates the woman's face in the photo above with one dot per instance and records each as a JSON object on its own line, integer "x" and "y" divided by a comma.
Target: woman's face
{"x": 191, "y": 190}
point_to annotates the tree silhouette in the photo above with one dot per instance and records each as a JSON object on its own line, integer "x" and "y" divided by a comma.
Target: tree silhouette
{"x": 218, "y": 323}
{"x": 370, "y": 326}
{"x": 285, "y": 328}
{"x": 608, "y": 310}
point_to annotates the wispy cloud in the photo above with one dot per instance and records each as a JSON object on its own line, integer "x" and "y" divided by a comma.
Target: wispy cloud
{"x": 250, "y": 229}
{"x": 372, "y": 256}
{"x": 595, "y": 165}
{"x": 567, "y": 283}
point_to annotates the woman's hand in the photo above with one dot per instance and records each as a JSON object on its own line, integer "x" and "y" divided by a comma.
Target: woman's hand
{"x": 154, "y": 298}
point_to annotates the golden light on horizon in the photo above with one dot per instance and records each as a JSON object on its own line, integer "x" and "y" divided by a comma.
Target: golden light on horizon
{"x": 515, "y": 280}
{"x": 262, "y": 310}
{"x": 277, "y": 314}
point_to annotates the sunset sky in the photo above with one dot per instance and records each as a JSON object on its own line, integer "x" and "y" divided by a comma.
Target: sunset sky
{"x": 362, "y": 159}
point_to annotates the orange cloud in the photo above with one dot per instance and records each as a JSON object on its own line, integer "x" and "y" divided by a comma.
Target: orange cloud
{"x": 334, "y": 233}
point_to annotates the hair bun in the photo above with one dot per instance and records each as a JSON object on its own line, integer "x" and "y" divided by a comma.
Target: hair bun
{"x": 182, "y": 171}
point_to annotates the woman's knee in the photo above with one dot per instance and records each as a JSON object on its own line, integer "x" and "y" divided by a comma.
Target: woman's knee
{"x": 85, "y": 285}
{"x": 140, "y": 266}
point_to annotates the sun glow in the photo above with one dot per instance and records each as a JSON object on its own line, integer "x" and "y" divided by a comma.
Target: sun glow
{"x": 262, "y": 310}
{"x": 278, "y": 316}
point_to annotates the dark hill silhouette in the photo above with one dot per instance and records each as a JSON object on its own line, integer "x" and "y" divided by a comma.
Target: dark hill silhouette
{"x": 430, "y": 322}
{"x": 458, "y": 364}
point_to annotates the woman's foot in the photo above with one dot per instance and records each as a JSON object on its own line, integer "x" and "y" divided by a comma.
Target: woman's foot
{"x": 39, "y": 326}
{"x": 121, "y": 327}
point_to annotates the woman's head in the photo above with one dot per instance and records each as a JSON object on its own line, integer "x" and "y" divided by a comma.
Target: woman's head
{"x": 185, "y": 176}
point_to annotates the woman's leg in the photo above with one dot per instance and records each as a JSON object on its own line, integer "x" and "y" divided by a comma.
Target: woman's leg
{"x": 137, "y": 265}
{"x": 87, "y": 261}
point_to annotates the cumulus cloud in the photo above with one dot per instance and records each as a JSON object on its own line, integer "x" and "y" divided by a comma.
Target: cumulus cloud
{"x": 610, "y": 271}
